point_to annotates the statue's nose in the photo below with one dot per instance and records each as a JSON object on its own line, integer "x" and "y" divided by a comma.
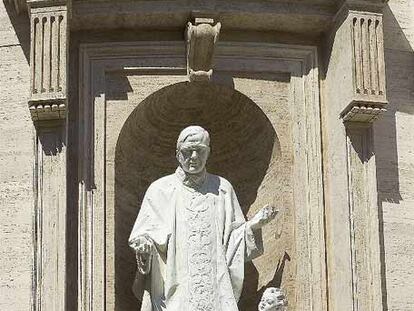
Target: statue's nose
{"x": 194, "y": 154}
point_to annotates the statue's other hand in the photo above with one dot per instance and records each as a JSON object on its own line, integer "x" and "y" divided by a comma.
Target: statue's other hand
{"x": 264, "y": 216}
{"x": 143, "y": 245}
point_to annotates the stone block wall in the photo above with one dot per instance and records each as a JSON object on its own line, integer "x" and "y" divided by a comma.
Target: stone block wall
{"x": 394, "y": 145}
{"x": 16, "y": 164}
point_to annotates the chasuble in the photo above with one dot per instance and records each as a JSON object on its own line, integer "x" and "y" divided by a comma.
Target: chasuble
{"x": 201, "y": 244}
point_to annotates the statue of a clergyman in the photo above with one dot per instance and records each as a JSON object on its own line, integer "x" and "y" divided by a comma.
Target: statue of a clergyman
{"x": 191, "y": 238}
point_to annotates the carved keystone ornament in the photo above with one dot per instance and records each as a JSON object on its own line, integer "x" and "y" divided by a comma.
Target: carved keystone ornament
{"x": 201, "y": 38}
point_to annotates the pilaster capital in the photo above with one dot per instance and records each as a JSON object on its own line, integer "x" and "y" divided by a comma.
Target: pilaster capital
{"x": 48, "y": 58}
{"x": 362, "y": 23}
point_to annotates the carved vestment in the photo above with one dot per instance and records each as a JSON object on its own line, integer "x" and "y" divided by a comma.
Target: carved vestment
{"x": 201, "y": 244}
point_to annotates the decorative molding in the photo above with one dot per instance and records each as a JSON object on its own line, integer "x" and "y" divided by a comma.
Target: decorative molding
{"x": 48, "y": 60}
{"x": 295, "y": 16}
{"x": 371, "y": 6}
{"x": 48, "y": 111}
{"x": 201, "y": 37}
{"x": 99, "y": 59}
{"x": 362, "y": 112}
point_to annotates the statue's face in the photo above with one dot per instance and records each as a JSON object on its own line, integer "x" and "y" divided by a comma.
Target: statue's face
{"x": 193, "y": 156}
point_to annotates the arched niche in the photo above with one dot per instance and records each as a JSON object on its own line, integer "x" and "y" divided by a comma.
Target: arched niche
{"x": 245, "y": 150}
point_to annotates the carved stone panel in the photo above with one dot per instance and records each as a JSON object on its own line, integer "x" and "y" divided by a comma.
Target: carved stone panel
{"x": 48, "y": 60}
{"x": 368, "y": 56}
{"x": 368, "y": 99}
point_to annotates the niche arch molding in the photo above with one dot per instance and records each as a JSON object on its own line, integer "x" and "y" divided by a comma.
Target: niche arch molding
{"x": 154, "y": 59}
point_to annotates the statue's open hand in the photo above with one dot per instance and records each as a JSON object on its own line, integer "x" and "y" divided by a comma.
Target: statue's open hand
{"x": 264, "y": 216}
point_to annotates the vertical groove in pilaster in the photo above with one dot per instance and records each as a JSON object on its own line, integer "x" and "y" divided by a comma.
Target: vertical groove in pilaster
{"x": 33, "y": 54}
{"x": 380, "y": 58}
{"x": 365, "y": 55}
{"x": 59, "y": 53}
{"x": 54, "y": 49}
{"x": 44, "y": 56}
{"x": 357, "y": 55}
{"x": 38, "y": 56}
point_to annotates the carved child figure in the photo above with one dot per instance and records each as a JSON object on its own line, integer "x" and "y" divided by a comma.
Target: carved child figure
{"x": 273, "y": 299}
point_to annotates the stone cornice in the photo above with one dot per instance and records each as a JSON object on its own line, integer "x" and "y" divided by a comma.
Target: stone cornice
{"x": 280, "y": 16}
{"x": 45, "y": 3}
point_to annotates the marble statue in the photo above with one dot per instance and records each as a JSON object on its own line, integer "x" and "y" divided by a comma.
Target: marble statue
{"x": 191, "y": 238}
{"x": 273, "y": 299}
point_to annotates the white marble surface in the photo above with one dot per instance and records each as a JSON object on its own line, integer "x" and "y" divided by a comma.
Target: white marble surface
{"x": 273, "y": 299}
{"x": 190, "y": 236}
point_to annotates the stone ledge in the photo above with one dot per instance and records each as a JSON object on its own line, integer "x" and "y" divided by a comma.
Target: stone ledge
{"x": 55, "y": 110}
{"x": 363, "y": 112}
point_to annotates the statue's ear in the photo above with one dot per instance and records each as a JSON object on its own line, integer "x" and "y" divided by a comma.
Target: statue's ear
{"x": 210, "y": 150}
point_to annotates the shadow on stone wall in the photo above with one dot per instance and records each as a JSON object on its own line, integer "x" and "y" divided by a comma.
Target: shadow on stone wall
{"x": 243, "y": 143}
{"x": 399, "y": 65}
{"x": 21, "y": 26}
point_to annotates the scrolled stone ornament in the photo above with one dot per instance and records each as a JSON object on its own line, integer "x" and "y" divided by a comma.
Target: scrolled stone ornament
{"x": 273, "y": 299}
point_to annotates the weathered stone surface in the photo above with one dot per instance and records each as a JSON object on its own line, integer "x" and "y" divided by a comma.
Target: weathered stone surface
{"x": 16, "y": 167}
{"x": 394, "y": 145}
{"x": 292, "y": 22}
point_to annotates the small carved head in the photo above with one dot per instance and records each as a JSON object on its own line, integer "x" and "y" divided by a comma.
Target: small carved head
{"x": 193, "y": 149}
{"x": 273, "y": 299}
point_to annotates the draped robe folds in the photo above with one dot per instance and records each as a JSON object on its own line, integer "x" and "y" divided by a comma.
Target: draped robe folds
{"x": 201, "y": 244}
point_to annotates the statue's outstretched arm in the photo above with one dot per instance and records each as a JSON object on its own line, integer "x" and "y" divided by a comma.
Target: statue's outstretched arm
{"x": 262, "y": 217}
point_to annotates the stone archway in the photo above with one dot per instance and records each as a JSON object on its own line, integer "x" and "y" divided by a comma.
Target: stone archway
{"x": 244, "y": 145}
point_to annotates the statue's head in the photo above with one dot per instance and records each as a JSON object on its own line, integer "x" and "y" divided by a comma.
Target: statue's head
{"x": 193, "y": 149}
{"x": 273, "y": 299}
